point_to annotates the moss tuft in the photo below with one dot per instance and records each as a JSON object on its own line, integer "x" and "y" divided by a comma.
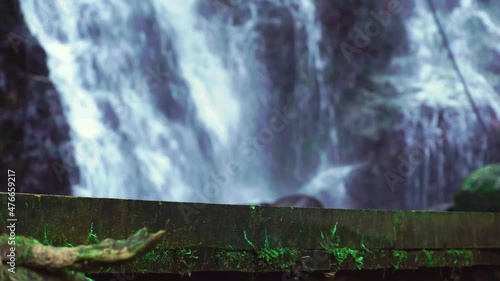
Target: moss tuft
{"x": 234, "y": 258}
{"x": 45, "y": 240}
{"x": 429, "y": 260}
{"x": 400, "y": 257}
{"x": 331, "y": 246}
{"x": 460, "y": 257}
{"x": 92, "y": 236}
{"x": 274, "y": 257}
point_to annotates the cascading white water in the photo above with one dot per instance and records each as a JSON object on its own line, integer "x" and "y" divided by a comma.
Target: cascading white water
{"x": 147, "y": 156}
{"x": 210, "y": 83}
{"x": 141, "y": 157}
{"x": 436, "y": 97}
{"x": 120, "y": 66}
{"x": 94, "y": 55}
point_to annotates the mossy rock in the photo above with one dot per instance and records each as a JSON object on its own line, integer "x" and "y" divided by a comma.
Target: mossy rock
{"x": 480, "y": 191}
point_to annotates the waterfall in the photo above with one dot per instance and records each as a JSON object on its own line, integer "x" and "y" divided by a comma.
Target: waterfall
{"x": 210, "y": 82}
{"x": 113, "y": 63}
{"x": 240, "y": 101}
{"x": 440, "y": 126}
{"x": 120, "y": 66}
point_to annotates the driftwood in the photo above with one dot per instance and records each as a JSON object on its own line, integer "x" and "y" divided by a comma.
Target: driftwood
{"x": 35, "y": 261}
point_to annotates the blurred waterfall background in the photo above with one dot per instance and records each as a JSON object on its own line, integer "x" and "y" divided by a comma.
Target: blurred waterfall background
{"x": 240, "y": 102}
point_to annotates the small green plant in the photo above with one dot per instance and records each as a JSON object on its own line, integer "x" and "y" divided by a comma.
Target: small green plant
{"x": 187, "y": 253}
{"x": 331, "y": 246}
{"x": 274, "y": 257}
{"x": 248, "y": 240}
{"x": 234, "y": 258}
{"x": 92, "y": 236}
{"x": 65, "y": 241}
{"x": 400, "y": 257}
{"x": 45, "y": 240}
{"x": 461, "y": 255}
{"x": 429, "y": 260}
{"x": 157, "y": 256}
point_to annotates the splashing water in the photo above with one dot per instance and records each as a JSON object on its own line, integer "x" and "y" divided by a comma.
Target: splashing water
{"x": 98, "y": 54}
{"x": 439, "y": 123}
{"x": 165, "y": 101}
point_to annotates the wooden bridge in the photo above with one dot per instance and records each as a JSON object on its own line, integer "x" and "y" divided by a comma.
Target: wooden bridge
{"x": 214, "y": 238}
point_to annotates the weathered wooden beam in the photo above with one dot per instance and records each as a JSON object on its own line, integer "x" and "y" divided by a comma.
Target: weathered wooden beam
{"x": 211, "y": 237}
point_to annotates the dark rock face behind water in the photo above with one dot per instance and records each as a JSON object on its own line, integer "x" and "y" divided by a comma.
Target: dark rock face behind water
{"x": 294, "y": 85}
{"x": 32, "y": 123}
{"x": 392, "y": 178}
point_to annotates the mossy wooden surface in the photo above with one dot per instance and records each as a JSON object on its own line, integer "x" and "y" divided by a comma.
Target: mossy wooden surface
{"x": 252, "y": 238}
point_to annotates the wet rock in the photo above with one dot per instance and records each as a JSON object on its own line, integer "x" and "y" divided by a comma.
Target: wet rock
{"x": 32, "y": 122}
{"x": 296, "y": 200}
{"x": 480, "y": 191}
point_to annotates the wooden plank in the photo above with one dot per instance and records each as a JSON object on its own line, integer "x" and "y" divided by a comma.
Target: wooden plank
{"x": 215, "y": 237}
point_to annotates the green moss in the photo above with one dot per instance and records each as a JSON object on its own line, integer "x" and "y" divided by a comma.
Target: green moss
{"x": 400, "y": 257}
{"x": 21, "y": 242}
{"x": 185, "y": 257}
{"x": 397, "y": 223}
{"x": 273, "y": 257}
{"x": 158, "y": 257}
{"x": 331, "y": 246}
{"x": 253, "y": 210}
{"x": 248, "y": 240}
{"x": 483, "y": 178}
{"x": 92, "y": 236}
{"x": 448, "y": 258}
{"x": 187, "y": 253}
{"x": 429, "y": 260}
{"x": 232, "y": 258}
{"x": 45, "y": 240}
{"x": 278, "y": 257}
{"x": 341, "y": 254}
{"x": 462, "y": 257}
{"x": 163, "y": 256}
{"x": 364, "y": 248}
{"x": 333, "y": 240}
{"x": 181, "y": 260}
{"x": 480, "y": 191}
{"x": 65, "y": 242}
